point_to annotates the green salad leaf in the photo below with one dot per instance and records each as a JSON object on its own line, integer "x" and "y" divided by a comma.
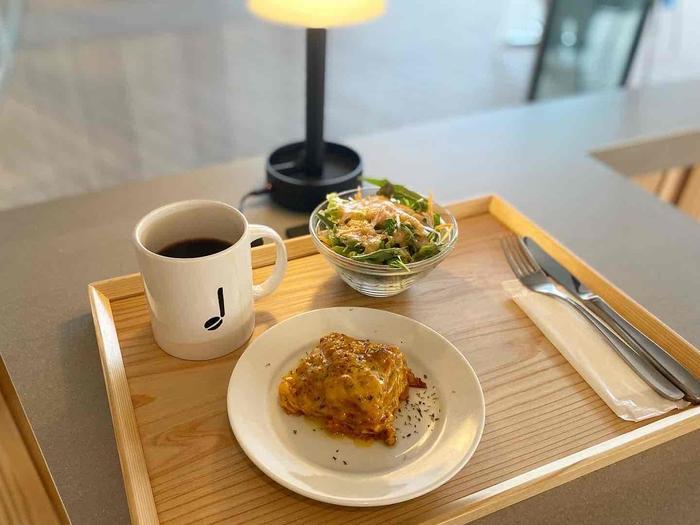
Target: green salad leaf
{"x": 426, "y": 251}
{"x": 402, "y": 194}
{"x": 383, "y": 255}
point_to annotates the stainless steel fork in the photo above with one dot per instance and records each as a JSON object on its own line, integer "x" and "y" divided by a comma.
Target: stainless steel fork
{"x": 529, "y": 273}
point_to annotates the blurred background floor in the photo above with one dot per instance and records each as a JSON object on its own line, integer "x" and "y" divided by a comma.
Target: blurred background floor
{"x": 106, "y": 91}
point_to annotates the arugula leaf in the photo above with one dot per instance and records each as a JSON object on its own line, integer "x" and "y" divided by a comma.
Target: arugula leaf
{"x": 410, "y": 233}
{"x": 426, "y": 251}
{"x": 383, "y": 255}
{"x": 398, "y": 263}
{"x": 325, "y": 220}
{"x": 333, "y": 240}
{"x": 375, "y": 182}
{"x": 389, "y": 226}
{"x": 344, "y": 250}
{"x": 401, "y": 193}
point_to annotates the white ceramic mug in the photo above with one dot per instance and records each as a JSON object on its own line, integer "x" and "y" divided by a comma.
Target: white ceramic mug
{"x": 202, "y": 307}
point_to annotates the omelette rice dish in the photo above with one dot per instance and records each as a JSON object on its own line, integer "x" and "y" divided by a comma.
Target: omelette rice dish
{"x": 354, "y": 386}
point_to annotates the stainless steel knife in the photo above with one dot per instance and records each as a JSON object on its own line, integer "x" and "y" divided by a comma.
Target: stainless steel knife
{"x": 662, "y": 360}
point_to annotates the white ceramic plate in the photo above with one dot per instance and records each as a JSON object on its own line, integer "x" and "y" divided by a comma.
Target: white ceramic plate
{"x": 433, "y": 444}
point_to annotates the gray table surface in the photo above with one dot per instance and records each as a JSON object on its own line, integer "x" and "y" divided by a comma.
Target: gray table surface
{"x": 539, "y": 157}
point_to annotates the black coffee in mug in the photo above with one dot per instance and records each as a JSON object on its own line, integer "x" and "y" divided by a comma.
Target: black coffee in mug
{"x": 190, "y": 248}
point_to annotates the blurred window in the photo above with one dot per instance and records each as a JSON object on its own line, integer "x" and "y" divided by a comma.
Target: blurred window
{"x": 587, "y": 45}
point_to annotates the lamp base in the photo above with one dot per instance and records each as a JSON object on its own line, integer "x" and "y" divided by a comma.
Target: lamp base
{"x": 294, "y": 189}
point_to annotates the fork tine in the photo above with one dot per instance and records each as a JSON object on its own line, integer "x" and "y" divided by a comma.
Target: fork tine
{"x": 528, "y": 255}
{"x": 508, "y": 252}
{"x": 524, "y": 270}
{"x": 518, "y": 256}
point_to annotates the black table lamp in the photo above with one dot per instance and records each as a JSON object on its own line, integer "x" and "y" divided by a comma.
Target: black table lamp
{"x": 302, "y": 173}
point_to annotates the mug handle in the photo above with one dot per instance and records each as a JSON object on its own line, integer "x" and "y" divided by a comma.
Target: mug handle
{"x": 255, "y": 231}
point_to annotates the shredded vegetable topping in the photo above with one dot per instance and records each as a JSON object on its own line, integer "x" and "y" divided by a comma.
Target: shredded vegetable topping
{"x": 395, "y": 227}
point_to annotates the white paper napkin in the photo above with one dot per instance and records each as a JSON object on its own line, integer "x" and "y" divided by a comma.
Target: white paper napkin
{"x": 590, "y": 354}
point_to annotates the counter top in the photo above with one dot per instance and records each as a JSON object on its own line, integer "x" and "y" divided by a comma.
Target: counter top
{"x": 544, "y": 158}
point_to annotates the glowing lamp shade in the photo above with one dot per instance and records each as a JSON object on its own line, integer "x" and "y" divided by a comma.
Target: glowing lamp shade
{"x": 317, "y": 13}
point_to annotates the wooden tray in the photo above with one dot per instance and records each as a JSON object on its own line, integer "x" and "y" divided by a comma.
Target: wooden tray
{"x": 544, "y": 425}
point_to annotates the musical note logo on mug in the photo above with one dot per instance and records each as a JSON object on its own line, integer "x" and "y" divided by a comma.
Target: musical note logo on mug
{"x": 185, "y": 251}
{"x": 215, "y": 322}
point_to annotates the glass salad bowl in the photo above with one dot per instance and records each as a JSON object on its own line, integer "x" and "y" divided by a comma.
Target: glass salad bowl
{"x": 380, "y": 280}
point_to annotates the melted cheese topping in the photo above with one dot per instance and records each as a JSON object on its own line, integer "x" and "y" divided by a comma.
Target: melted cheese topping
{"x": 354, "y": 386}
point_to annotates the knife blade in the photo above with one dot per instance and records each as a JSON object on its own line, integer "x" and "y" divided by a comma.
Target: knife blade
{"x": 662, "y": 360}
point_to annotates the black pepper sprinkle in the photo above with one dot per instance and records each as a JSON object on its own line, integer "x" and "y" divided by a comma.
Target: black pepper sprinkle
{"x": 345, "y": 462}
{"x": 337, "y": 450}
{"x": 335, "y": 459}
{"x": 267, "y": 364}
{"x": 454, "y": 392}
{"x": 295, "y": 430}
{"x": 425, "y": 376}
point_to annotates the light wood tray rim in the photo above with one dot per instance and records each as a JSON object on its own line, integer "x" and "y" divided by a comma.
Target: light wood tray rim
{"x": 142, "y": 506}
